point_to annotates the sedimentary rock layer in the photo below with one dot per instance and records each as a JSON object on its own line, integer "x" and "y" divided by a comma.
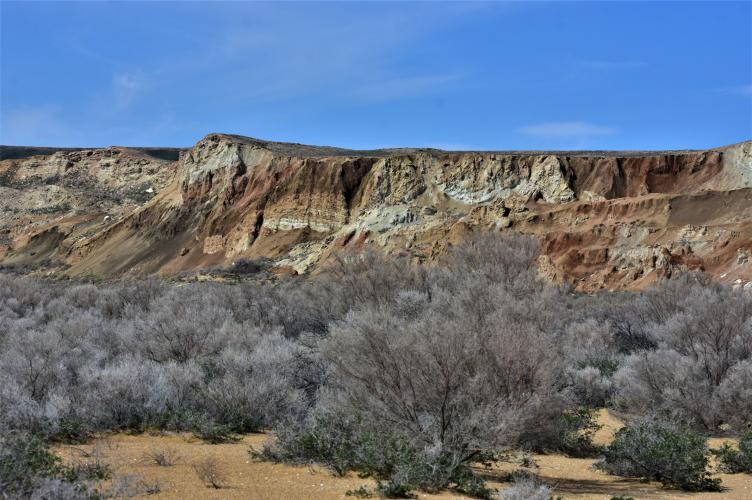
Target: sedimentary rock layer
{"x": 604, "y": 219}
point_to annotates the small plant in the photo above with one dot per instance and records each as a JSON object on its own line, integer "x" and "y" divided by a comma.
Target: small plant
{"x": 215, "y": 433}
{"x": 210, "y": 472}
{"x": 527, "y": 460}
{"x": 526, "y": 486}
{"x": 735, "y": 460}
{"x": 165, "y": 457}
{"x": 132, "y": 485}
{"x": 87, "y": 471}
{"x": 394, "y": 489}
{"x": 361, "y": 492}
{"x": 660, "y": 451}
{"x": 244, "y": 266}
{"x": 72, "y": 431}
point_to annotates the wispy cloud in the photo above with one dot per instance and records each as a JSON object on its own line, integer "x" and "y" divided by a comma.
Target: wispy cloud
{"x": 126, "y": 86}
{"x": 601, "y": 65}
{"x": 337, "y": 54}
{"x": 565, "y": 130}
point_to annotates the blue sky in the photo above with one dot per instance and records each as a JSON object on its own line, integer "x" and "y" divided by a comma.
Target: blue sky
{"x": 534, "y": 75}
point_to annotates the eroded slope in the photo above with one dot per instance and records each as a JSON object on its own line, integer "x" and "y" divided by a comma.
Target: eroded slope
{"x": 604, "y": 219}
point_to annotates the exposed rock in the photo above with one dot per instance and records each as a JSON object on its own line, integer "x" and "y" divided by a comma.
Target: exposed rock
{"x": 604, "y": 219}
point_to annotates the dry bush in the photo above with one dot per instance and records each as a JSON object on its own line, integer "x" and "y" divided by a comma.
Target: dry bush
{"x": 465, "y": 365}
{"x": 700, "y": 367}
{"x": 163, "y": 457}
{"x": 210, "y": 472}
{"x": 526, "y": 485}
{"x": 132, "y": 485}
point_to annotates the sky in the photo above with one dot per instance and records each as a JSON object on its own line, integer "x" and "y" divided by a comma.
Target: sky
{"x": 463, "y": 76}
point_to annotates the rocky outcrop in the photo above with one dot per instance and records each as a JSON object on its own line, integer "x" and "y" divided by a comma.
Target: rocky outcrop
{"x": 73, "y": 194}
{"x": 604, "y": 219}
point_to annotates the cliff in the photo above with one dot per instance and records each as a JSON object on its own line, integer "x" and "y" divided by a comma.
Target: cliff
{"x": 604, "y": 219}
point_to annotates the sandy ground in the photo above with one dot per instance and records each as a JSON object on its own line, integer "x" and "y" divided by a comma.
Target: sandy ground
{"x": 249, "y": 479}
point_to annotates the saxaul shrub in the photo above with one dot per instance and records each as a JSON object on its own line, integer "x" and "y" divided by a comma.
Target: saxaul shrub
{"x": 441, "y": 364}
{"x": 592, "y": 358}
{"x": 699, "y": 368}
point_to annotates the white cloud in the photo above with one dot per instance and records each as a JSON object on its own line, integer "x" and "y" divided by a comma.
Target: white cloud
{"x": 575, "y": 129}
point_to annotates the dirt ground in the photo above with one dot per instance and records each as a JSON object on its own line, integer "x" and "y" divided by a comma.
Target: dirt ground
{"x": 242, "y": 477}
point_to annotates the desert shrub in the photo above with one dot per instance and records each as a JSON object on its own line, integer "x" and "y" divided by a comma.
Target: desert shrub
{"x": 132, "y": 485}
{"x": 23, "y": 458}
{"x": 214, "y": 433}
{"x": 526, "y": 487}
{"x": 210, "y": 472}
{"x": 254, "y": 382}
{"x": 660, "y": 451}
{"x": 182, "y": 326}
{"x": 360, "y": 492}
{"x": 735, "y": 460}
{"x": 592, "y": 358}
{"x": 433, "y": 470}
{"x": 127, "y": 394}
{"x": 343, "y": 443}
{"x": 421, "y": 381}
{"x": 701, "y": 363}
{"x": 29, "y": 470}
{"x": 578, "y": 427}
{"x": 87, "y": 471}
{"x": 162, "y": 457}
{"x": 423, "y": 369}
{"x": 340, "y": 442}
{"x": 245, "y": 266}
{"x": 734, "y": 396}
{"x": 459, "y": 387}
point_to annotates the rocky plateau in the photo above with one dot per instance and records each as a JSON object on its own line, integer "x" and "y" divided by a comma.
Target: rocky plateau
{"x": 604, "y": 219}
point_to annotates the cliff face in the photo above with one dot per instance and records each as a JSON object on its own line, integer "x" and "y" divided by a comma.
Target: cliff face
{"x": 604, "y": 219}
